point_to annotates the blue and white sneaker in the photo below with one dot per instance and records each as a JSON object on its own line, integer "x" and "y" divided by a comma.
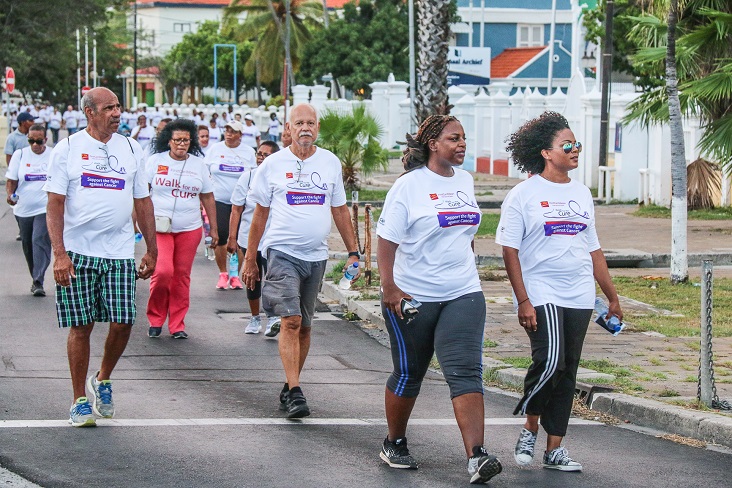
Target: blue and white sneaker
{"x": 81, "y": 414}
{"x": 101, "y": 391}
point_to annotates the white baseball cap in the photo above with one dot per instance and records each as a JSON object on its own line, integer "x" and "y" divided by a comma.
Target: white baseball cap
{"x": 235, "y": 125}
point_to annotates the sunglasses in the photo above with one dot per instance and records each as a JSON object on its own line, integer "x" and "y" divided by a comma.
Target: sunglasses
{"x": 568, "y": 146}
{"x": 180, "y": 141}
{"x": 40, "y": 142}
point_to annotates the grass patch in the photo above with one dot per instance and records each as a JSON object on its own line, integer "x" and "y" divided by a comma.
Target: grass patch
{"x": 655, "y": 361}
{"x": 605, "y": 366}
{"x": 659, "y": 212}
{"x": 484, "y": 194}
{"x": 683, "y": 299}
{"x": 371, "y": 195}
{"x": 369, "y": 296}
{"x": 488, "y": 224}
{"x": 517, "y": 361}
{"x": 489, "y": 343}
{"x": 668, "y": 392}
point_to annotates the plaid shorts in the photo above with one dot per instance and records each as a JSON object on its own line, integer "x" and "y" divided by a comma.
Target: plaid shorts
{"x": 103, "y": 291}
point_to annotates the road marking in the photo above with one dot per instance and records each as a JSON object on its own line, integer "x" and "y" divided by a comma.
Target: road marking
{"x": 19, "y": 424}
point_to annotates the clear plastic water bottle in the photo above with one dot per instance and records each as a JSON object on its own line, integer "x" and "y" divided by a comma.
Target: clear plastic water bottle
{"x": 14, "y": 198}
{"x": 614, "y": 325}
{"x": 350, "y": 273}
{"x": 233, "y": 265}
{"x": 207, "y": 251}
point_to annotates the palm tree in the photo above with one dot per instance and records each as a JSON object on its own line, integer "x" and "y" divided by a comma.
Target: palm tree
{"x": 354, "y": 138}
{"x": 266, "y": 22}
{"x": 679, "y": 262}
{"x": 698, "y": 81}
{"x": 433, "y": 35}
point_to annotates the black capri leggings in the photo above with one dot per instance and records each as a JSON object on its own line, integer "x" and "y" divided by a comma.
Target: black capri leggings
{"x": 256, "y": 293}
{"x": 223, "y": 214}
{"x": 453, "y": 330}
{"x": 556, "y": 347}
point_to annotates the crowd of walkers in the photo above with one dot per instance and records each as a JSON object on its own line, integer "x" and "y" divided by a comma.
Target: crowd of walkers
{"x": 270, "y": 207}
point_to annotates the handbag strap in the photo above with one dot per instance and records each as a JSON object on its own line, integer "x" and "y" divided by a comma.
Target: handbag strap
{"x": 176, "y": 200}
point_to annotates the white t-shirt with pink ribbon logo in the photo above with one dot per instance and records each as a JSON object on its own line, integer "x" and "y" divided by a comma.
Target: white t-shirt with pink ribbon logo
{"x": 433, "y": 219}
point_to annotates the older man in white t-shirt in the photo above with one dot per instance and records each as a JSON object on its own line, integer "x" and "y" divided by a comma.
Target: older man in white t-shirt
{"x": 94, "y": 181}
{"x": 300, "y": 188}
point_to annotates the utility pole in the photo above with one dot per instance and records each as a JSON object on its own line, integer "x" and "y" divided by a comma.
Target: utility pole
{"x": 134, "y": 59}
{"x": 412, "y": 69}
{"x": 607, "y": 67}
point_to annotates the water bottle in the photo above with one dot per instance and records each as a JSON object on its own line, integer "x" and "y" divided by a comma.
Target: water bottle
{"x": 207, "y": 251}
{"x": 350, "y": 273}
{"x": 138, "y": 237}
{"x": 233, "y": 265}
{"x": 614, "y": 325}
{"x": 14, "y": 198}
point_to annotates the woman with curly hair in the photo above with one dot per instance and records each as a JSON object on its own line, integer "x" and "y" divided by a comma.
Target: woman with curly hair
{"x": 552, "y": 257}
{"x": 179, "y": 183}
{"x": 425, "y": 252}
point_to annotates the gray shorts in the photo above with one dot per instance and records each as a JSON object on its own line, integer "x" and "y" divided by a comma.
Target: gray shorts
{"x": 291, "y": 286}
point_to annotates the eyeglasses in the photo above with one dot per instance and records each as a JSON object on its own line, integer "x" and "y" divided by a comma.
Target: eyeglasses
{"x": 40, "y": 142}
{"x": 299, "y": 168}
{"x": 568, "y": 146}
{"x": 180, "y": 141}
{"x": 263, "y": 155}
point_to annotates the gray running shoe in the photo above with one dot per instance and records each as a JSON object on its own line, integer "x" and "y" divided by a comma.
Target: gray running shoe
{"x": 524, "y": 451}
{"x": 482, "y": 466}
{"x": 101, "y": 393}
{"x": 396, "y": 454}
{"x": 81, "y": 415}
{"x": 559, "y": 459}
{"x": 255, "y": 325}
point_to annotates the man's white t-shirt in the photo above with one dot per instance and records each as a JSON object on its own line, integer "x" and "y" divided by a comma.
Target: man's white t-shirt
{"x": 176, "y": 186}
{"x": 299, "y": 195}
{"x": 241, "y": 197}
{"x": 29, "y": 169}
{"x": 433, "y": 220}
{"x": 99, "y": 181}
{"x": 71, "y": 117}
{"x": 54, "y": 120}
{"x": 249, "y": 135}
{"x": 146, "y": 135}
{"x": 274, "y": 127}
{"x": 82, "y": 119}
{"x": 214, "y": 134}
{"x": 553, "y": 227}
{"x": 226, "y": 164}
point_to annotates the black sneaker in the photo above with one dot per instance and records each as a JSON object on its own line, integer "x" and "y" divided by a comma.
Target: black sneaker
{"x": 283, "y": 397}
{"x": 483, "y": 466}
{"x": 297, "y": 406}
{"x": 396, "y": 454}
{"x": 181, "y": 334}
{"x": 37, "y": 290}
{"x": 154, "y": 331}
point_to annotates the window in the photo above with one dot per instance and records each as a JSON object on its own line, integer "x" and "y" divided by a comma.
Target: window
{"x": 182, "y": 27}
{"x": 530, "y": 35}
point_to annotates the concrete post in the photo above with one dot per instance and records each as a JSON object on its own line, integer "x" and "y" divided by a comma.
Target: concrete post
{"x": 319, "y": 96}
{"x": 300, "y": 94}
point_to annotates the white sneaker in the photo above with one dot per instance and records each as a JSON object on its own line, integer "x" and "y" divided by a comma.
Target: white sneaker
{"x": 255, "y": 325}
{"x": 559, "y": 459}
{"x": 272, "y": 322}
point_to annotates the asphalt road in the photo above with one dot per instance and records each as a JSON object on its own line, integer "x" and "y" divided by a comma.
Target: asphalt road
{"x": 203, "y": 412}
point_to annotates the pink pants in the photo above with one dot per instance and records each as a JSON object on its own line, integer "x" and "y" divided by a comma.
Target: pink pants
{"x": 170, "y": 284}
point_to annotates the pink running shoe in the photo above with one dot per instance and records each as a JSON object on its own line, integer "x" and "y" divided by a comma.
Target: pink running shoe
{"x": 223, "y": 283}
{"x": 236, "y": 283}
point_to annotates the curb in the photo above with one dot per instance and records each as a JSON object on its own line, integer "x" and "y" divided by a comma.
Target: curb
{"x": 704, "y": 426}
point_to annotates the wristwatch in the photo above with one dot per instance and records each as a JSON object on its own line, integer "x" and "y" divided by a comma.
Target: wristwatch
{"x": 354, "y": 253}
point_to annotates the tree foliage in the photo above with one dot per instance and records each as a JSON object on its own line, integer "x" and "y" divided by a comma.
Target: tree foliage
{"x": 704, "y": 70}
{"x": 354, "y": 138}
{"x": 190, "y": 63}
{"x": 367, "y": 43}
{"x": 39, "y": 42}
{"x": 265, "y": 24}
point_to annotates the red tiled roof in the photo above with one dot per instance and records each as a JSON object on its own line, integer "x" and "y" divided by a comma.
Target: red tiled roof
{"x": 512, "y": 59}
{"x": 221, "y": 3}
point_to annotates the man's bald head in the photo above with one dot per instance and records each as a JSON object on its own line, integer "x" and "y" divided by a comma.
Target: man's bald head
{"x": 93, "y": 97}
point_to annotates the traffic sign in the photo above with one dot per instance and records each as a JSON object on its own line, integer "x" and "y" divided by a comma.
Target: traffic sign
{"x": 9, "y": 79}
{"x": 85, "y": 89}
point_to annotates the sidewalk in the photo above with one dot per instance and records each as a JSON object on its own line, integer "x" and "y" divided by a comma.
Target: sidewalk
{"x": 648, "y": 365}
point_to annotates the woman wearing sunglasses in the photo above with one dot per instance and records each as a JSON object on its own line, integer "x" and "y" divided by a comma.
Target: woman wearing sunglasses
{"x": 25, "y": 179}
{"x": 552, "y": 257}
{"x": 180, "y": 182}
